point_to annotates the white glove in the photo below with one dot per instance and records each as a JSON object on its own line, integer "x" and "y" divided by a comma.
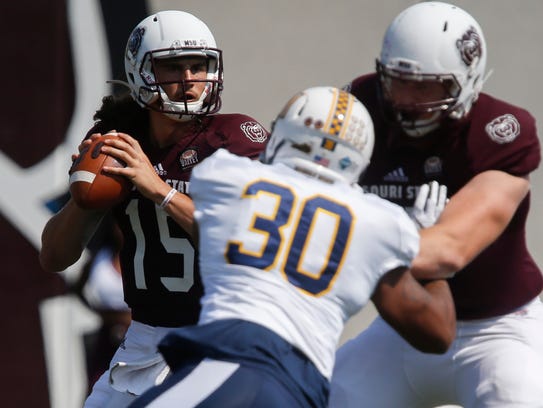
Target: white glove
{"x": 429, "y": 204}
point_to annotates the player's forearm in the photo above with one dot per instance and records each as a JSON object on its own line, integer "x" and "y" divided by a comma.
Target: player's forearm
{"x": 65, "y": 236}
{"x": 429, "y": 324}
{"x": 441, "y": 254}
{"x": 181, "y": 208}
{"x": 473, "y": 219}
{"x": 423, "y": 315}
{"x": 437, "y": 318}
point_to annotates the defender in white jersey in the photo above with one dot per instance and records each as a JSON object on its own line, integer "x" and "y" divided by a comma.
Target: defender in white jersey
{"x": 288, "y": 252}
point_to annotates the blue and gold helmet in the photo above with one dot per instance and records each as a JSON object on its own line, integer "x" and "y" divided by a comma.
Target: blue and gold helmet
{"x": 323, "y": 131}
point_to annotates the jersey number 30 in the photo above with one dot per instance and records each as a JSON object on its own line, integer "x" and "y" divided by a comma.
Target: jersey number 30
{"x": 316, "y": 243}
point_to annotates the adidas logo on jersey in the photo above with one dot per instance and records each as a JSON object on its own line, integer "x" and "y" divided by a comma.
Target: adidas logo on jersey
{"x": 396, "y": 175}
{"x": 160, "y": 170}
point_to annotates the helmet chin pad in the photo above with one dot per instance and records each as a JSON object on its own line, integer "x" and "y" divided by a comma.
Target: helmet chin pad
{"x": 419, "y": 130}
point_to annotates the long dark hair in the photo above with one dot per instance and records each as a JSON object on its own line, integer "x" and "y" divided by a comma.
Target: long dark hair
{"x": 122, "y": 113}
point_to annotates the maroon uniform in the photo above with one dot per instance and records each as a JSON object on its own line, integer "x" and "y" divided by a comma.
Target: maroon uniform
{"x": 433, "y": 123}
{"x": 159, "y": 264}
{"x": 499, "y": 136}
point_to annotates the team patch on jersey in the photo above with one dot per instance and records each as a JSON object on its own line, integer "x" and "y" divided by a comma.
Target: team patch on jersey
{"x": 433, "y": 166}
{"x": 503, "y": 129}
{"x": 188, "y": 158}
{"x": 254, "y": 131}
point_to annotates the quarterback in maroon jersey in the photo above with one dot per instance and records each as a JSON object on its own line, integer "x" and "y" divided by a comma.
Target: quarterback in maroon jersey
{"x": 165, "y": 126}
{"x": 432, "y": 123}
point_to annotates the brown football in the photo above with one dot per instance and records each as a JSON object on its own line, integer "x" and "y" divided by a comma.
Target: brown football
{"x": 90, "y": 187}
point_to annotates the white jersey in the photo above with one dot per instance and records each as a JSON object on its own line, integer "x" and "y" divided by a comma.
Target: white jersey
{"x": 292, "y": 253}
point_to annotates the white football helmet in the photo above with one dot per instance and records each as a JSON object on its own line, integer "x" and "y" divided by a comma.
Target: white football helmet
{"x": 324, "y": 132}
{"x": 438, "y": 42}
{"x": 166, "y": 34}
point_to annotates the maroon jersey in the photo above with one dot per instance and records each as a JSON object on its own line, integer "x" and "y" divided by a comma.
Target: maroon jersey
{"x": 497, "y": 136}
{"x": 159, "y": 262}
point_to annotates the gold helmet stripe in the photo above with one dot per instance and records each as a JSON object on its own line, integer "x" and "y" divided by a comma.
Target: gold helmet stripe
{"x": 339, "y": 114}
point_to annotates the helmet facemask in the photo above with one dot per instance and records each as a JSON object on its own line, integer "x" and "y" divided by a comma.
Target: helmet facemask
{"x": 430, "y": 98}
{"x": 154, "y": 96}
{"x": 174, "y": 36}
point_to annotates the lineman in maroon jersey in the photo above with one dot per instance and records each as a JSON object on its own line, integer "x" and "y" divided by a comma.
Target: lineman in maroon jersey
{"x": 165, "y": 126}
{"x": 428, "y": 127}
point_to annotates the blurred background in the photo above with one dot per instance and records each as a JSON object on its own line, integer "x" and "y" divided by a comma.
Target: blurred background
{"x": 60, "y": 53}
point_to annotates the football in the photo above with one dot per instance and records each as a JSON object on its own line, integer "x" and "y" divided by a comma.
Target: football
{"x": 90, "y": 187}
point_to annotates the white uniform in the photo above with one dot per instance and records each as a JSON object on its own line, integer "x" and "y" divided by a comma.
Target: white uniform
{"x": 478, "y": 355}
{"x": 292, "y": 253}
{"x": 104, "y": 288}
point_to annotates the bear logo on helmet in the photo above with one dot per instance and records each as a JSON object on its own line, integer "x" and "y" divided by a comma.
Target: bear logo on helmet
{"x": 470, "y": 46}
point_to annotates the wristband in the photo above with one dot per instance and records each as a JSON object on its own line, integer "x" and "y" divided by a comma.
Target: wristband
{"x": 168, "y": 198}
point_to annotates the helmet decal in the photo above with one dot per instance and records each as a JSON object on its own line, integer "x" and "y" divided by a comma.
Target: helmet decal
{"x": 134, "y": 42}
{"x": 323, "y": 161}
{"x": 303, "y": 147}
{"x": 339, "y": 115}
{"x": 283, "y": 113}
{"x": 328, "y": 144}
{"x": 345, "y": 162}
{"x": 470, "y": 46}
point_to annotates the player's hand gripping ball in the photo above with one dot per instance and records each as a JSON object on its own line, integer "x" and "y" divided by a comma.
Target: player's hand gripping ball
{"x": 90, "y": 187}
